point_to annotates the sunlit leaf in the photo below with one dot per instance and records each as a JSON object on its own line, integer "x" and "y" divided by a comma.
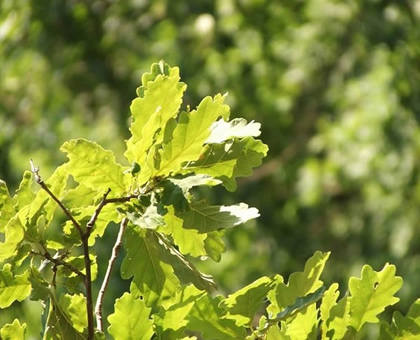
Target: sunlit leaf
{"x": 14, "y": 234}
{"x": 236, "y": 128}
{"x": 13, "y": 331}
{"x": 6, "y": 206}
{"x": 158, "y": 101}
{"x": 13, "y": 288}
{"x": 74, "y": 306}
{"x": 24, "y": 194}
{"x": 130, "y": 321}
{"x": 371, "y": 294}
{"x": 189, "y": 135}
{"x": 95, "y": 167}
{"x": 242, "y": 305}
{"x": 206, "y": 317}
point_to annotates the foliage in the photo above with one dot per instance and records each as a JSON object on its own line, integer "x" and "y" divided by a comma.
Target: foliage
{"x": 48, "y": 254}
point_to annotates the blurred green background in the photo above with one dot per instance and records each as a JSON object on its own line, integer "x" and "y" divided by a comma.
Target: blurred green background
{"x": 335, "y": 84}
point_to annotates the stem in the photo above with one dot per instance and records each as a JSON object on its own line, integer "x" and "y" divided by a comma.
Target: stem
{"x": 111, "y": 262}
{"x": 84, "y": 238}
{"x": 88, "y": 285}
{"x": 40, "y": 181}
{"x": 91, "y": 223}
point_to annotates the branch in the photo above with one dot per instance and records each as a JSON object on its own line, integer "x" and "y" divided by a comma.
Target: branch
{"x": 91, "y": 223}
{"x": 115, "y": 251}
{"x": 84, "y": 238}
{"x": 40, "y": 181}
{"x": 59, "y": 262}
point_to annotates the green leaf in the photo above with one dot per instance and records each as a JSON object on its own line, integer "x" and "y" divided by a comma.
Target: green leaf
{"x": 403, "y": 327}
{"x": 227, "y": 161}
{"x": 74, "y": 306}
{"x": 371, "y": 294}
{"x": 207, "y": 318}
{"x": 189, "y": 136}
{"x": 299, "y": 304}
{"x": 59, "y": 326}
{"x": 14, "y": 234}
{"x": 188, "y": 241}
{"x": 159, "y": 100}
{"x": 130, "y": 319}
{"x": 13, "y": 288}
{"x": 206, "y": 218}
{"x": 154, "y": 278}
{"x": 95, "y": 168}
{"x": 242, "y": 305}
{"x": 299, "y": 285}
{"x": 236, "y": 128}
{"x": 6, "y": 206}
{"x": 171, "y": 322}
{"x": 24, "y": 194}
{"x": 13, "y": 331}
{"x": 335, "y": 316}
{"x": 184, "y": 269}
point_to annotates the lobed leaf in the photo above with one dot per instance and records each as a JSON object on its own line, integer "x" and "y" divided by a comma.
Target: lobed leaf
{"x": 13, "y": 288}
{"x": 95, "y": 167}
{"x": 74, "y": 306}
{"x": 13, "y": 331}
{"x": 403, "y": 327}
{"x": 6, "y": 206}
{"x": 159, "y": 100}
{"x": 13, "y": 236}
{"x": 130, "y": 319}
{"x": 371, "y": 294}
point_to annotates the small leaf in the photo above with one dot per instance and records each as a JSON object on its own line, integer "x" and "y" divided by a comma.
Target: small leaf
{"x": 242, "y": 305}
{"x": 95, "y": 167}
{"x": 403, "y": 327}
{"x": 371, "y": 294}
{"x": 6, "y": 206}
{"x": 236, "y": 128}
{"x": 14, "y": 234}
{"x": 206, "y": 218}
{"x": 74, "y": 306}
{"x": 13, "y": 331}
{"x": 299, "y": 285}
{"x": 13, "y": 288}
{"x": 130, "y": 321}
{"x": 24, "y": 194}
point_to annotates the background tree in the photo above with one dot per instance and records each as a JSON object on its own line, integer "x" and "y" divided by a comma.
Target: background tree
{"x": 334, "y": 84}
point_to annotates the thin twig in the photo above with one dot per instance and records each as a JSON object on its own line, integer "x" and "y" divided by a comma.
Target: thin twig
{"x": 40, "y": 181}
{"x": 91, "y": 223}
{"x": 85, "y": 243}
{"x": 111, "y": 262}
{"x": 59, "y": 262}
